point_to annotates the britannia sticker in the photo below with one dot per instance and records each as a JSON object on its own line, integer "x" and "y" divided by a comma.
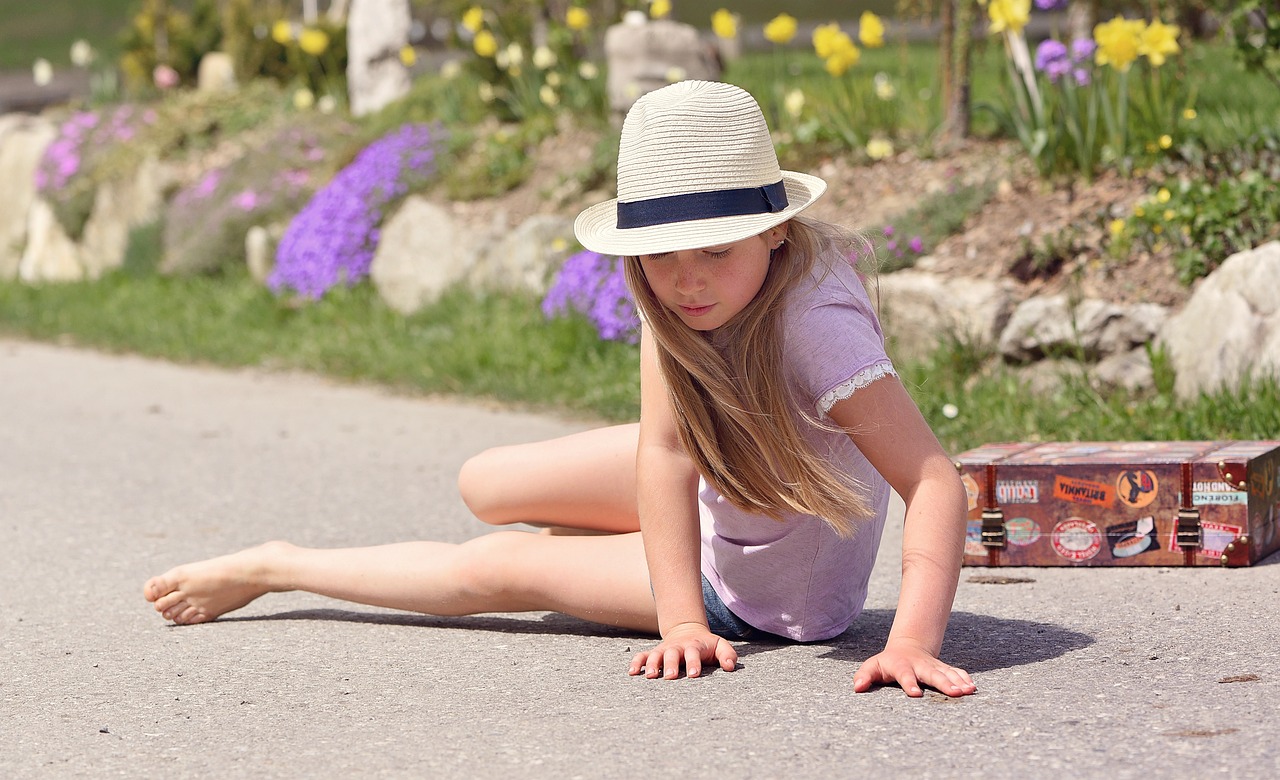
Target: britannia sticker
{"x": 1137, "y": 487}
{"x": 1021, "y": 531}
{"x": 1076, "y": 539}
{"x": 1133, "y": 538}
{"x": 1083, "y": 491}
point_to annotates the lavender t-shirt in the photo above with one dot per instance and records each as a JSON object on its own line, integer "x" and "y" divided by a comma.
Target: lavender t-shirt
{"x": 797, "y": 578}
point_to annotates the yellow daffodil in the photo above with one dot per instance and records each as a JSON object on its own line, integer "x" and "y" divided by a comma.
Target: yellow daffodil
{"x": 473, "y": 19}
{"x": 577, "y": 18}
{"x": 879, "y": 149}
{"x": 485, "y": 44}
{"x": 1157, "y": 229}
{"x": 282, "y": 32}
{"x": 780, "y": 29}
{"x": 1189, "y": 114}
{"x": 558, "y": 244}
{"x": 1165, "y": 141}
{"x": 845, "y": 57}
{"x": 659, "y": 9}
{"x": 824, "y": 36}
{"x": 408, "y": 56}
{"x": 794, "y": 103}
{"x": 1139, "y": 212}
{"x": 675, "y": 74}
{"x": 1157, "y": 41}
{"x": 1011, "y": 15}
{"x": 724, "y": 24}
{"x": 303, "y": 99}
{"x": 1163, "y": 195}
{"x": 313, "y": 41}
{"x": 1116, "y": 227}
{"x": 1117, "y": 42}
{"x": 1168, "y": 215}
{"x": 870, "y": 30}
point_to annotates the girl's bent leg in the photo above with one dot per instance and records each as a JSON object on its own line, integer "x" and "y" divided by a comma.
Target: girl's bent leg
{"x": 585, "y": 480}
{"x": 600, "y": 578}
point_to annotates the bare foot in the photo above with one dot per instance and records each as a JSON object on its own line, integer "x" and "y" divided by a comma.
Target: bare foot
{"x": 202, "y": 591}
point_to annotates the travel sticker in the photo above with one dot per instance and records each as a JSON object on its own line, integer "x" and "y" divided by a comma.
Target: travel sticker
{"x": 1083, "y": 491}
{"x": 1215, "y": 492}
{"x": 970, "y": 489}
{"x": 1214, "y": 538}
{"x": 1137, "y": 487}
{"x": 973, "y": 539}
{"x": 1017, "y": 491}
{"x": 1021, "y": 531}
{"x": 1133, "y": 538}
{"x": 1076, "y": 539}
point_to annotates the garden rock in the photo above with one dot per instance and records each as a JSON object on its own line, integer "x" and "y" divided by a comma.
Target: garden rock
{"x": 50, "y": 254}
{"x": 22, "y": 142}
{"x": 644, "y": 55}
{"x": 259, "y": 250}
{"x": 1129, "y": 370}
{"x": 1091, "y": 328}
{"x": 525, "y": 258}
{"x": 120, "y": 205}
{"x": 919, "y": 306}
{"x": 421, "y": 253}
{"x": 377, "y": 30}
{"x": 1230, "y": 326}
{"x": 217, "y": 73}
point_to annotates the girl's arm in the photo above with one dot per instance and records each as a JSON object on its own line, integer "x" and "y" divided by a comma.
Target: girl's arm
{"x": 887, "y": 427}
{"x": 667, "y": 485}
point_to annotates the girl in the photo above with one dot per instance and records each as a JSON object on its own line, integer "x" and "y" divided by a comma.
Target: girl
{"x": 750, "y": 498}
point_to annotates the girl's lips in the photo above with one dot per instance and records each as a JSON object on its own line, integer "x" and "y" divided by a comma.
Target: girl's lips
{"x": 696, "y": 311}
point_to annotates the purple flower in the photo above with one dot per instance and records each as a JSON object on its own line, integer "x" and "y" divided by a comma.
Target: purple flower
{"x": 594, "y": 285}
{"x": 1052, "y": 59}
{"x": 1082, "y": 77}
{"x": 916, "y": 244}
{"x": 332, "y": 240}
{"x": 247, "y": 200}
{"x": 1082, "y": 50}
{"x": 1051, "y": 5}
{"x": 888, "y": 231}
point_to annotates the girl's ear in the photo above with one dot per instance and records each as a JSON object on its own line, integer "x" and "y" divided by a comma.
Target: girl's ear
{"x": 777, "y": 234}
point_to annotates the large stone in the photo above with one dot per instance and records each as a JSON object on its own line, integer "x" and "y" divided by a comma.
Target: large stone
{"x": 376, "y": 32}
{"x": 1091, "y": 328}
{"x": 525, "y": 258}
{"x": 120, "y": 205}
{"x": 1230, "y": 326}
{"x": 217, "y": 73}
{"x": 420, "y": 254}
{"x": 646, "y": 54}
{"x": 22, "y": 142}
{"x": 50, "y": 255}
{"x": 920, "y": 309}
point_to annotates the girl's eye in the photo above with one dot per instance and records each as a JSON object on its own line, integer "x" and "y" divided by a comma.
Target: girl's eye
{"x": 719, "y": 254}
{"x": 652, "y": 258}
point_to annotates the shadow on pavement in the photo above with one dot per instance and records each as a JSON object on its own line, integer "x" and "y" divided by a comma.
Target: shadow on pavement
{"x": 549, "y": 623}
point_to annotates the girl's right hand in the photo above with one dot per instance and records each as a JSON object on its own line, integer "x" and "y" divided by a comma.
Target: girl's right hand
{"x": 691, "y": 644}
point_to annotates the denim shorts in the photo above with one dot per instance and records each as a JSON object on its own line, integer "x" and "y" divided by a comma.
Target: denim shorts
{"x": 723, "y": 622}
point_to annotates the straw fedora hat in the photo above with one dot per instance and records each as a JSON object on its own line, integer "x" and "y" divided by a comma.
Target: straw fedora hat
{"x": 696, "y": 168}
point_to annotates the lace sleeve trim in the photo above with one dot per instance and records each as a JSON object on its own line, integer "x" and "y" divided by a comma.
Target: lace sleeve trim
{"x": 859, "y": 380}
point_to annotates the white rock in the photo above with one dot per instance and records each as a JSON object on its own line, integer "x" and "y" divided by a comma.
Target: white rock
{"x": 50, "y": 254}
{"x": 1230, "y": 326}
{"x": 1091, "y": 328}
{"x": 376, "y": 32}
{"x": 525, "y": 258}
{"x": 119, "y": 206}
{"x": 420, "y": 254}
{"x": 217, "y": 73}
{"x": 919, "y": 309}
{"x": 23, "y": 140}
{"x": 645, "y": 55}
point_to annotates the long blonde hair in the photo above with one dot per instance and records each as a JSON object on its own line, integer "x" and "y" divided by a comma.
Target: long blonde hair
{"x": 737, "y": 413}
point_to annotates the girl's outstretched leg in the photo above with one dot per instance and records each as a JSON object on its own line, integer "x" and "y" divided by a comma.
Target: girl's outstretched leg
{"x": 603, "y": 579}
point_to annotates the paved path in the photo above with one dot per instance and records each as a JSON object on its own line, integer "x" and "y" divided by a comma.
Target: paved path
{"x": 114, "y": 468}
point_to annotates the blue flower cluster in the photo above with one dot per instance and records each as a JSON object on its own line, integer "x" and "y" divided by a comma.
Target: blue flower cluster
{"x": 594, "y": 285}
{"x": 332, "y": 240}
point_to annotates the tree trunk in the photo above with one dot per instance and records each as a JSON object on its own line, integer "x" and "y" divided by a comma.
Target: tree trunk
{"x": 1082, "y": 15}
{"x": 957, "y": 118}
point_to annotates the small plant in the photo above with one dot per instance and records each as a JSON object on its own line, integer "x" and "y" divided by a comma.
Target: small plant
{"x": 594, "y": 286}
{"x": 918, "y": 230}
{"x": 332, "y": 240}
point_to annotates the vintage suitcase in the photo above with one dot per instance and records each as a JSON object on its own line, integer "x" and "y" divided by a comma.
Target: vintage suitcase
{"x": 1174, "y": 503}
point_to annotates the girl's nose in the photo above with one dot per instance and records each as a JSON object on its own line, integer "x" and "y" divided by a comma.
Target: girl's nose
{"x": 688, "y": 279}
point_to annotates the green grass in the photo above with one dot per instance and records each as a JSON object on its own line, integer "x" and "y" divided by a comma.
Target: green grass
{"x": 47, "y": 28}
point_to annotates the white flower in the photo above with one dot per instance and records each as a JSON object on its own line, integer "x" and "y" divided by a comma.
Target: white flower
{"x": 81, "y": 53}
{"x": 42, "y": 72}
{"x": 794, "y": 102}
{"x": 515, "y": 54}
{"x": 486, "y": 92}
{"x": 950, "y": 411}
{"x": 327, "y": 104}
{"x": 885, "y": 90}
{"x": 675, "y": 74}
{"x": 635, "y": 18}
{"x": 303, "y": 99}
{"x": 588, "y": 71}
{"x": 879, "y": 149}
{"x": 553, "y": 78}
{"x": 451, "y": 70}
{"x": 548, "y": 95}
{"x": 543, "y": 58}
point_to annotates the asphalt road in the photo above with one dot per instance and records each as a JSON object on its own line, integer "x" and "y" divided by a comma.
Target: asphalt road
{"x": 115, "y": 468}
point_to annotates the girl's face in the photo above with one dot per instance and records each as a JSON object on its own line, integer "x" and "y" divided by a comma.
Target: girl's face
{"x": 707, "y": 287}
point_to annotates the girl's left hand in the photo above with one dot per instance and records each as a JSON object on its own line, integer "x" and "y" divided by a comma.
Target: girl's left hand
{"x": 910, "y": 666}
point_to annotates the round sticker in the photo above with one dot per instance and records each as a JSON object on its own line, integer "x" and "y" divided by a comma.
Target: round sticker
{"x": 1076, "y": 539}
{"x": 1137, "y": 487}
{"x": 1021, "y": 531}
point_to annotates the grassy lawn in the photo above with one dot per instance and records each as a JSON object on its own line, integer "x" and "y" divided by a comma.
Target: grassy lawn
{"x": 47, "y": 28}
